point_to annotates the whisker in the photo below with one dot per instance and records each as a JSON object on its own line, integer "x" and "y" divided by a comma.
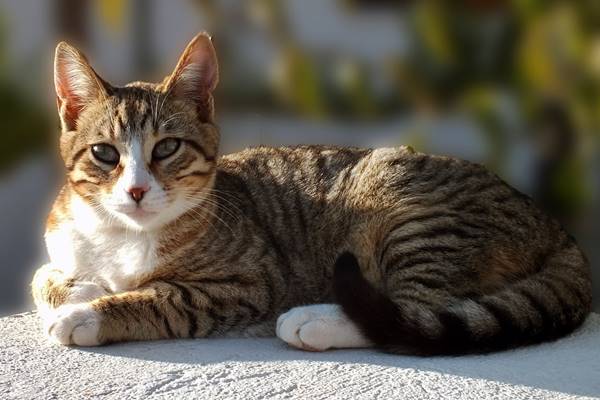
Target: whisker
{"x": 214, "y": 215}
{"x": 171, "y": 118}
{"x": 165, "y": 98}
{"x": 221, "y": 203}
{"x": 220, "y": 206}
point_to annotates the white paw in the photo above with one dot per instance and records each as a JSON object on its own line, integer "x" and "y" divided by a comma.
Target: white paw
{"x": 319, "y": 327}
{"x": 76, "y": 324}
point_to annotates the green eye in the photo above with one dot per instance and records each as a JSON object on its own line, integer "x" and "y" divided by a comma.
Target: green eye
{"x": 105, "y": 153}
{"x": 165, "y": 148}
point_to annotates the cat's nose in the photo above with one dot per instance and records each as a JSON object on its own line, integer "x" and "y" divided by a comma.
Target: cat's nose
{"x": 137, "y": 193}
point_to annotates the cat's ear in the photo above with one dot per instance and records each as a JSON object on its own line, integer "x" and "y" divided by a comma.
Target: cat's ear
{"x": 196, "y": 75}
{"x": 76, "y": 84}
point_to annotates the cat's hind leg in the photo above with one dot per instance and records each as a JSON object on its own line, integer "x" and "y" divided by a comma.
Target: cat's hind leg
{"x": 319, "y": 327}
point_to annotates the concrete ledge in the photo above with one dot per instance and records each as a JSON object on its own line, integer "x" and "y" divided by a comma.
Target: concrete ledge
{"x": 31, "y": 368}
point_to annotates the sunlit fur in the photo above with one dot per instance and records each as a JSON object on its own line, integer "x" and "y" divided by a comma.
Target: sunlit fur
{"x": 424, "y": 254}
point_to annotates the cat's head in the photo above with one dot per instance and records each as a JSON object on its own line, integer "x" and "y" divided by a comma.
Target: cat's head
{"x": 142, "y": 154}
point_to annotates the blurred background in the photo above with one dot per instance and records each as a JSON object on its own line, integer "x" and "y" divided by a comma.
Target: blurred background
{"x": 511, "y": 84}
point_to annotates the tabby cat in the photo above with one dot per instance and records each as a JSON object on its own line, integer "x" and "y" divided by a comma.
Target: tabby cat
{"x": 155, "y": 236}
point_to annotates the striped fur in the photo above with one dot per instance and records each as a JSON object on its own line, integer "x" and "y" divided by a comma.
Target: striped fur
{"x": 434, "y": 255}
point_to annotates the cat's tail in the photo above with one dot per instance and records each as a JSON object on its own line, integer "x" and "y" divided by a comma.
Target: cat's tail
{"x": 543, "y": 306}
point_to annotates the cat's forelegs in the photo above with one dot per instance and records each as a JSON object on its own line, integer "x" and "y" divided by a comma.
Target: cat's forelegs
{"x": 319, "y": 327}
{"x": 159, "y": 310}
{"x": 55, "y": 294}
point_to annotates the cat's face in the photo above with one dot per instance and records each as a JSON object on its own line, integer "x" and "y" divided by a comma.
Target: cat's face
{"x": 143, "y": 154}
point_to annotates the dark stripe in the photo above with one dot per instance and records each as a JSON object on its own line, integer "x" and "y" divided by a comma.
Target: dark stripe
{"x": 81, "y": 182}
{"x": 420, "y": 163}
{"x": 174, "y": 306}
{"x": 485, "y": 226}
{"x": 143, "y": 120}
{"x": 457, "y": 335}
{"x": 502, "y": 198}
{"x": 254, "y": 311}
{"x": 161, "y": 317}
{"x": 236, "y": 279}
{"x": 182, "y": 162}
{"x": 510, "y": 333}
{"x": 417, "y": 218}
{"x": 574, "y": 290}
{"x": 540, "y": 307}
{"x": 467, "y": 186}
{"x": 152, "y": 321}
{"x": 442, "y": 231}
{"x": 559, "y": 296}
{"x": 424, "y": 217}
{"x": 432, "y": 233}
{"x": 76, "y": 158}
{"x": 397, "y": 262}
{"x": 427, "y": 249}
{"x": 431, "y": 283}
{"x": 418, "y": 297}
{"x": 194, "y": 173}
{"x": 235, "y": 321}
{"x": 217, "y": 321}
{"x": 513, "y": 217}
{"x": 122, "y": 125}
{"x": 186, "y": 297}
{"x": 200, "y": 150}
{"x": 270, "y": 292}
{"x": 468, "y": 201}
{"x": 301, "y": 217}
{"x": 281, "y": 256}
{"x": 425, "y": 269}
{"x": 442, "y": 182}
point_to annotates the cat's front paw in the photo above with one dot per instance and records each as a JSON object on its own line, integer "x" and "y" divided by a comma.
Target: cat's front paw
{"x": 319, "y": 327}
{"x": 74, "y": 324}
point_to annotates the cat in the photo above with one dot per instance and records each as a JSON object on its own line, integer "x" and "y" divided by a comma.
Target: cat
{"x": 155, "y": 235}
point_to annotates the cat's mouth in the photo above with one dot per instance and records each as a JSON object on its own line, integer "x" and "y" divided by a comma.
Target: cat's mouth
{"x": 139, "y": 213}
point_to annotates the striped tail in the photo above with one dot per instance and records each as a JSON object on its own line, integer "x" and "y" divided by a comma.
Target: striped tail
{"x": 544, "y": 306}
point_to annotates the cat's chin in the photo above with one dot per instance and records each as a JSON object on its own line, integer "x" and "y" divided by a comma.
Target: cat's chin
{"x": 145, "y": 220}
{"x": 141, "y": 220}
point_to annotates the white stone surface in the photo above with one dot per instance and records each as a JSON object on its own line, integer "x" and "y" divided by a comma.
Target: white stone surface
{"x": 33, "y": 368}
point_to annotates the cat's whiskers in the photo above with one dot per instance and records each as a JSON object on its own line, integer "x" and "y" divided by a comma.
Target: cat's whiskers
{"x": 206, "y": 198}
{"x": 217, "y": 204}
{"x": 166, "y": 96}
{"x": 205, "y": 218}
{"x": 171, "y": 118}
{"x": 216, "y": 194}
{"x": 210, "y": 212}
{"x": 155, "y": 110}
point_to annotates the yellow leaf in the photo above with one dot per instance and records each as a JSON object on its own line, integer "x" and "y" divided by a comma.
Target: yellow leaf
{"x": 112, "y": 12}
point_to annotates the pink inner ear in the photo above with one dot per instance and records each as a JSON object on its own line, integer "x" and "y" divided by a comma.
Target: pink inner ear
{"x": 196, "y": 74}
{"x": 69, "y": 112}
{"x": 69, "y": 106}
{"x": 75, "y": 82}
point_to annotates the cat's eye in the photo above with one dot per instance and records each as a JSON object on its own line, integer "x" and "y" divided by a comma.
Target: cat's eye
{"x": 165, "y": 148}
{"x": 105, "y": 153}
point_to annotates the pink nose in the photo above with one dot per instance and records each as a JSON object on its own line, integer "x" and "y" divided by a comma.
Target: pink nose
{"x": 137, "y": 193}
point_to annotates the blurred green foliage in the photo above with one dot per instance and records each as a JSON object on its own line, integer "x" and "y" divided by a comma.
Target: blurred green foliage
{"x": 467, "y": 57}
{"x": 25, "y": 125}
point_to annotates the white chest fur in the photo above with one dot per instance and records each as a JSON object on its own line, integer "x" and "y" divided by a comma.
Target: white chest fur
{"x": 88, "y": 249}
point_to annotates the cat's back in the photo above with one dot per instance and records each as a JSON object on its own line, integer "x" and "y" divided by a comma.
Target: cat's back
{"x": 316, "y": 169}
{"x": 288, "y": 162}
{"x": 388, "y": 181}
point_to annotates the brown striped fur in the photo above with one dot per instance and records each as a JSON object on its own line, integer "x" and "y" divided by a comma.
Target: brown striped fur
{"x": 440, "y": 255}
